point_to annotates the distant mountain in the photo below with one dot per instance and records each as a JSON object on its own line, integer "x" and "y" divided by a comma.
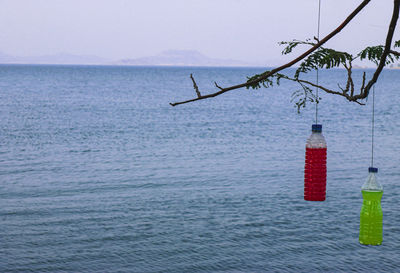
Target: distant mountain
{"x": 61, "y": 58}
{"x": 181, "y": 58}
{"x": 166, "y": 58}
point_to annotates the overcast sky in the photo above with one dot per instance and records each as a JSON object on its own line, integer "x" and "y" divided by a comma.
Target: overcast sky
{"x": 245, "y": 30}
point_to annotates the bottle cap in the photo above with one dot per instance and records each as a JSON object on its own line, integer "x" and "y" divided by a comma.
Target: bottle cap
{"x": 316, "y": 128}
{"x": 372, "y": 170}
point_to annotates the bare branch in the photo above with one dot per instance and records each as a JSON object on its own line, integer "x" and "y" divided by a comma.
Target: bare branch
{"x": 350, "y": 79}
{"x": 363, "y": 84}
{"x": 196, "y": 88}
{"x": 327, "y": 90}
{"x": 395, "y": 52}
{"x": 219, "y": 87}
{"x": 360, "y": 103}
{"x": 349, "y": 83}
{"x": 289, "y": 64}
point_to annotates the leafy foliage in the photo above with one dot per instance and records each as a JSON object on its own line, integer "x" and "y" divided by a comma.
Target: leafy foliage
{"x": 374, "y": 53}
{"x": 299, "y": 97}
{"x": 322, "y": 58}
{"x": 291, "y": 45}
{"x": 302, "y": 96}
{"x": 268, "y": 82}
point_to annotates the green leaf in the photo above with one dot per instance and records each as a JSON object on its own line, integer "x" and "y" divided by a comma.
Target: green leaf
{"x": 293, "y": 44}
{"x": 374, "y": 54}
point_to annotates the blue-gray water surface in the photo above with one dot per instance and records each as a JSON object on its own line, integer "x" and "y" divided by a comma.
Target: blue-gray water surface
{"x": 98, "y": 173}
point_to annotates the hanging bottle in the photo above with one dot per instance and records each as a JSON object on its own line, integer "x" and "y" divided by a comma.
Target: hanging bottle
{"x": 371, "y": 211}
{"x": 315, "y": 166}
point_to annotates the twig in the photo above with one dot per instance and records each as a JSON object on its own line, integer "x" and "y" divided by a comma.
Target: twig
{"x": 349, "y": 83}
{"x": 219, "y": 87}
{"x": 395, "y": 52}
{"x": 196, "y": 88}
{"x": 344, "y": 94}
{"x": 363, "y": 84}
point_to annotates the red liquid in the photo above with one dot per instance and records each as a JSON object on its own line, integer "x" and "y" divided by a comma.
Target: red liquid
{"x": 315, "y": 174}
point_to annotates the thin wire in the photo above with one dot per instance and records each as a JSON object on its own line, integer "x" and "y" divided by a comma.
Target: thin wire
{"x": 317, "y": 100}
{"x": 373, "y": 125}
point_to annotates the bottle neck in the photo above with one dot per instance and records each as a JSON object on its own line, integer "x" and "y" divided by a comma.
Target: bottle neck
{"x": 372, "y": 184}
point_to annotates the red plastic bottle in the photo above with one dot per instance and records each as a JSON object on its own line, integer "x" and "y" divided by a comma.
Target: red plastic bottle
{"x": 315, "y": 166}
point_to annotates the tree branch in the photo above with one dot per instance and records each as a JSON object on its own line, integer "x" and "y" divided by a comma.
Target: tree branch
{"x": 289, "y": 64}
{"x": 344, "y": 93}
{"x": 395, "y": 52}
{"x": 219, "y": 87}
{"x": 392, "y": 26}
{"x": 196, "y": 88}
{"x": 327, "y": 90}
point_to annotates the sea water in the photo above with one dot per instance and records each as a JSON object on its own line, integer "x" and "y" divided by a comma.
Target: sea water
{"x": 98, "y": 173}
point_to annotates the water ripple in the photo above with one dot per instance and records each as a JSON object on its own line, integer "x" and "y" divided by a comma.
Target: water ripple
{"x": 99, "y": 174}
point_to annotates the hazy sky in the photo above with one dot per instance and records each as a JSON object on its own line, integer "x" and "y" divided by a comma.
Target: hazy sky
{"x": 245, "y": 30}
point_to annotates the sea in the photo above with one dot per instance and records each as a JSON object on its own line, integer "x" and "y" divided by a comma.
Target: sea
{"x": 99, "y": 173}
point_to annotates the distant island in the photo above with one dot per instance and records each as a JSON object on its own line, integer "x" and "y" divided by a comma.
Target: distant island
{"x": 181, "y": 58}
{"x": 165, "y": 58}
{"x": 394, "y": 66}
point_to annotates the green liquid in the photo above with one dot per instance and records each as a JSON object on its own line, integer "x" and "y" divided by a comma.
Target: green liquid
{"x": 371, "y": 218}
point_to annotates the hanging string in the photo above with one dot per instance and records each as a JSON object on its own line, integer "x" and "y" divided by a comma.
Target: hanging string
{"x": 317, "y": 98}
{"x": 373, "y": 125}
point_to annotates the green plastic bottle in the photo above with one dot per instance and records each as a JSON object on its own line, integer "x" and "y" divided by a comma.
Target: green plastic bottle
{"x": 371, "y": 211}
